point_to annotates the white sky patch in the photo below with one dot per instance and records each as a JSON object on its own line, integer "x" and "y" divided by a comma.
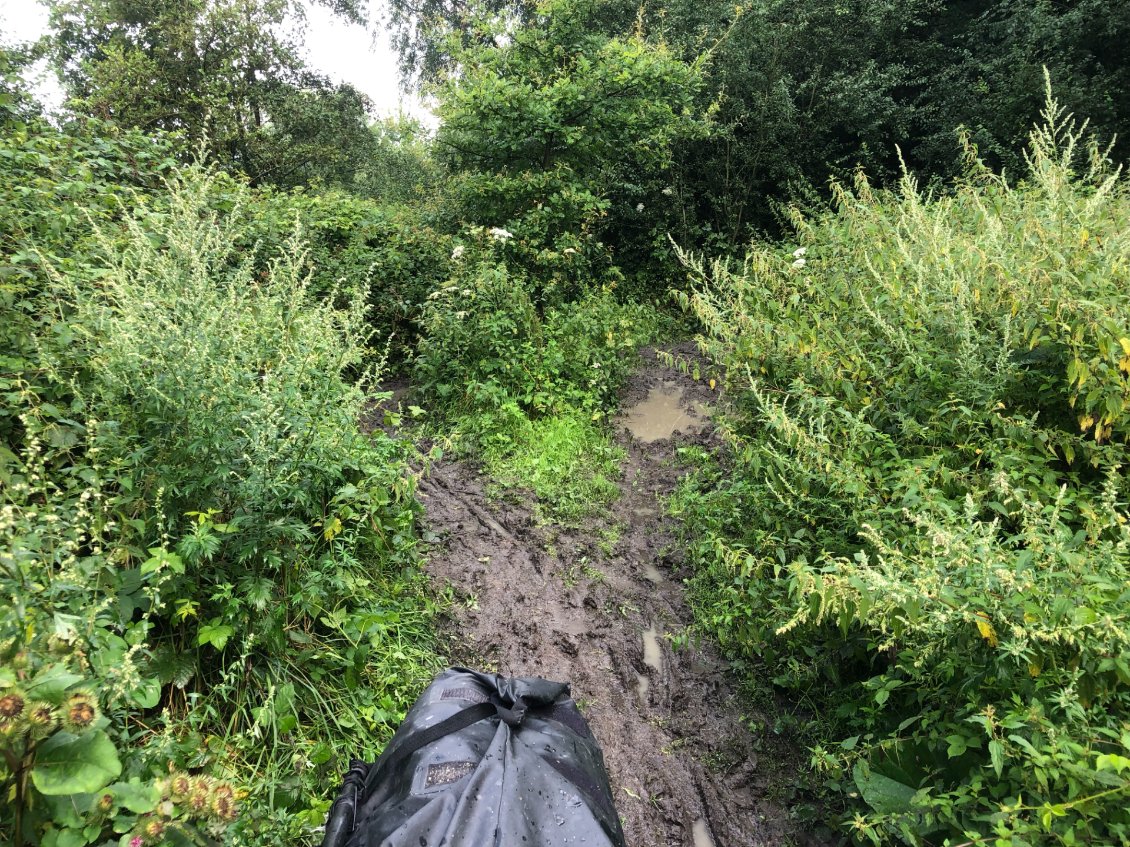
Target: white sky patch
{"x": 26, "y": 20}
{"x": 342, "y": 51}
{"x": 349, "y": 53}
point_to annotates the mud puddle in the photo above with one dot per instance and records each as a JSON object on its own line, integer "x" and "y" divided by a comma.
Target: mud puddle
{"x": 663, "y": 413}
{"x": 554, "y": 602}
{"x": 700, "y": 834}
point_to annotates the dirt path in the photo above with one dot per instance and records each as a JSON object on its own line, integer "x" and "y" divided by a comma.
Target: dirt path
{"x": 542, "y": 601}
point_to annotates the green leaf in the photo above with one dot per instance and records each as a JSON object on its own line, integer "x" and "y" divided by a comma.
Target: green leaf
{"x": 996, "y": 754}
{"x": 135, "y": 796}
{"x": 75, "y": 764}
{"x": 159, "y": 558}
{"x": 881, "y": 793}
{"x": 215, "y": 634}
{"x": 958, "y": 744}
{"x": 70, "y": 811}
{"x": 1112, "y": 761}
{"x": 147, "y": 694}
{"x": 52, "y": 683}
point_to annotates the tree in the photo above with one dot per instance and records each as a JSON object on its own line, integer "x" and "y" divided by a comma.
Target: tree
{"x": 423, "y": 31}
{"x": 549, "y": 125}
{"x": 227, "y": 74}
{"x": 402, "y": 168}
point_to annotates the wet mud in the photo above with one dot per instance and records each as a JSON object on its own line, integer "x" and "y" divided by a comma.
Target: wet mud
{"x": 597, "y": 606}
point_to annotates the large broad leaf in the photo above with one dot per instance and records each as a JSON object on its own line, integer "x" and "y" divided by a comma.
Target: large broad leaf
{"x": 74, "y": 764}
{"x": 52, "y": 682}
{"x": 881, "y": 793}
{"x": 147, "y": 694}
{"x": 136, "y": 796}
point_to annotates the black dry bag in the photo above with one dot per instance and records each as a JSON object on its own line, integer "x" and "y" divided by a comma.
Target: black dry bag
{"x": 481, "y": 760}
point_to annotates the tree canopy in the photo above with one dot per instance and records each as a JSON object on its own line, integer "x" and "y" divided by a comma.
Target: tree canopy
{"x": 226, "y": 74}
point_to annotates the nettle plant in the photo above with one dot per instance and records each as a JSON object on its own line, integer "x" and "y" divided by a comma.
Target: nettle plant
{"x": 927, "y": 518}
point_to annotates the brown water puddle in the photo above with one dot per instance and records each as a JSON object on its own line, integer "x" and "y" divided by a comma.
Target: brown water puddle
{"x": 652, "y": 654}
{"x": 701, "y": 834}
{"x": 661, "y": 414}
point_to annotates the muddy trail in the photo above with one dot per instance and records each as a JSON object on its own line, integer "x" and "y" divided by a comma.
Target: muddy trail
{"x": 569, "y": 604}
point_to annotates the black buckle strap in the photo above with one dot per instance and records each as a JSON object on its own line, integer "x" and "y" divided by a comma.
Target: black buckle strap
{"x": 458, "y": 721}
{"x": 342, "y": 819}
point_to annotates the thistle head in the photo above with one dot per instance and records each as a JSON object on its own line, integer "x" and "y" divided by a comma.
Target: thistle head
{"x": 80, "y": 712}
{"x": 42, "y": 719}
{"x": 13, "y": 714}
{"x": 180, "y": 784}
{"x": 223, "y": 802}
{"x": 199, "y": 794}
{"x": 13, "y": 704}
{"x": 154, "y": 830}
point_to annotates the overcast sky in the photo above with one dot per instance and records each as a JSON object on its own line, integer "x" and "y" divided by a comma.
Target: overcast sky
{"x": 344, "y": 52}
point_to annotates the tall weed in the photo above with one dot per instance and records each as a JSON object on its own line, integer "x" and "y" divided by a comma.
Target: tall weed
{"x": 228, "y": 558}
{"x": 926, "y": 519}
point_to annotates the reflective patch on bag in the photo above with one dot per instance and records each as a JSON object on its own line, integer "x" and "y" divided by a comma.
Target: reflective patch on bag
{"x": 447, "y": 772}
{"x": 472, "y": 694}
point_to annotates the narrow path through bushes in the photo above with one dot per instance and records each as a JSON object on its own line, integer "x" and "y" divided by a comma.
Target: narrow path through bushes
{"x": 593, "y": 605}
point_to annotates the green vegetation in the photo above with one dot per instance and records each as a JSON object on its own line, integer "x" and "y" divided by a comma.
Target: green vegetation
{"x": 227, "y": 75}
{"x": 213, "y": 258}
{"x": 207, "y": 567}
{"x": 570, "y": 465}
{"x": 922, "y": 524}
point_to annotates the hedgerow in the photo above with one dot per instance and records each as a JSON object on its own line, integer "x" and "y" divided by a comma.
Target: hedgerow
{"x": 207, "y": 567}
{"x": 922, "y": 522}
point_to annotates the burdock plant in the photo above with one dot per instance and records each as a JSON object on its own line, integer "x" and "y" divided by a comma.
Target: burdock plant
{"x": 80, "y": 712}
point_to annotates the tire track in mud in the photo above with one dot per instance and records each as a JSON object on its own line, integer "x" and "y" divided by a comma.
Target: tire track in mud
{"x": 552, "y": 602}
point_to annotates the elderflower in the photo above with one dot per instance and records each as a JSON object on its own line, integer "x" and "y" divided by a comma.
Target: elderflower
{"x": 668, "y": 191}
{"x": 799, "y": 252}
{"x": 639, "y": 207}
{"x": 799, "y": 263}
{"x": 500, "y": 234}
{"x": 457, "y": 253}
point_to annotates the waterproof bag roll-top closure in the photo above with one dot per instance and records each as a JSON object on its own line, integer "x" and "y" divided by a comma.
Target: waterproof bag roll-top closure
{"x": 481, "y": 759}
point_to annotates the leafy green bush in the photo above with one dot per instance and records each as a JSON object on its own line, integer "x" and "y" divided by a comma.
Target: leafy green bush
{"x": 487, "y": 342}
{"x": 545, "y": 124}
{"x": 74, "y": 676}
{"x": 53, "y": 186}
{"x": 385, "y": 255}
{"x": 198, "y": 526}
{"x": 925, "y": 521}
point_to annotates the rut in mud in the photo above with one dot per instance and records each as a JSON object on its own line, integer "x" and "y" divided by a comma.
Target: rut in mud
{"x": 559, "y": 603}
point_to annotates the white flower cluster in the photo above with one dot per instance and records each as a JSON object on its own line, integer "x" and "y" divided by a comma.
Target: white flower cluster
{"x": 500, "y": 234}
{"x": 798, "y": 257}
{"x": 457, "y": 253}
{"x": 639, "y": 207}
